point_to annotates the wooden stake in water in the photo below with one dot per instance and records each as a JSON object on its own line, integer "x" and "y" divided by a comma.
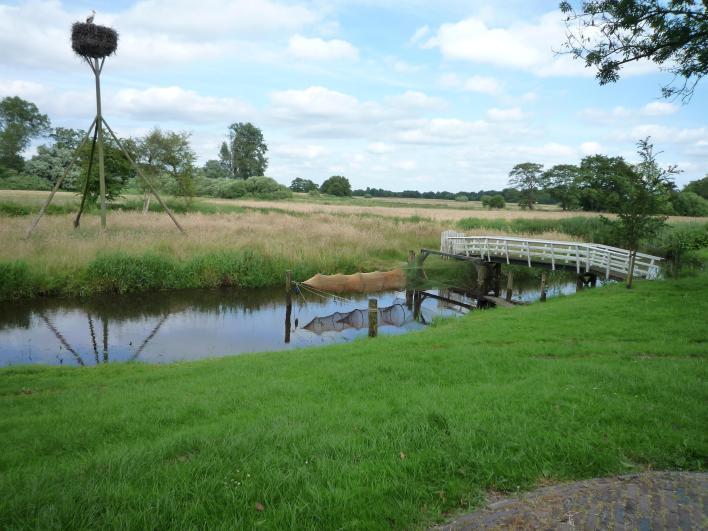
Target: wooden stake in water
{"x": 373, "y": 318}
{"x": 543, "y": 287}
{"x": 288, "y": 303}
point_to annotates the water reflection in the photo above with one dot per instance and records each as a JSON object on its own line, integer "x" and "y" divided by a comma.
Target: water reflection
{"x": 164, "y": 327}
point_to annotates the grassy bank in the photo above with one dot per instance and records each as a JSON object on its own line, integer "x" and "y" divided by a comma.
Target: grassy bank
{"x": 393, "y": 432}
{"x": 248, "y": 247}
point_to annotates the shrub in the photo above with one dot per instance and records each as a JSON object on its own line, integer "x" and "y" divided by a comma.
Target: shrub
{"x": 462, "y": 198}
{"x": 314, "y": 192}
{"x": 18, "y": 181}
{"x": 367, "y": 196}
{"x": 233, "y": 189}
{"x": 493, "y": 201}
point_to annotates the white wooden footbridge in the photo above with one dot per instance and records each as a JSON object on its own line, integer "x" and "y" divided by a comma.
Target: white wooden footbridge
{"x": 583, "y": 258}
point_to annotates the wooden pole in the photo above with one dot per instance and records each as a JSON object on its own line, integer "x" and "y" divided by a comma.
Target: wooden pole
{"x": 630, "y": 270}
{"x": 373, "y": 318}
{"x": 409, "y": 293}
{"x": 99, "y": 125}
{"x": 543, "y": 287}
{"x": 88, "y": 179}
{"x": 497, "y": 280}
{"x": 42, "y": 210}
{"x": 142, "y": 176}
{"x": 509, "y": 285}
{"x": 288, "y": 303}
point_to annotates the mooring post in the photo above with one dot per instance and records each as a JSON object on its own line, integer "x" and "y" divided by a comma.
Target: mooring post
{"x": 509, "y": 285}
{"x": 481, "y": 284}
{"x": 288, "y": 303}
{"x": 409, "y": 292}
{"x": 543, "y": 287}
{"x": 373, "y": 318}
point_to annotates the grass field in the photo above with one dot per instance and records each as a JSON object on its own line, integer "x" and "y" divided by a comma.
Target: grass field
{"x": 395, "y": 432}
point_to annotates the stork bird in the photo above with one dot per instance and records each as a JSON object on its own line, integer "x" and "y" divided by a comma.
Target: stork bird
{"x": 89, "y": 19}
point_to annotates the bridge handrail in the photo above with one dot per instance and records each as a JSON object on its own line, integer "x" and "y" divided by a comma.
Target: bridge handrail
{"x": 556, "y": 242}
{"x": 612, "y": 261}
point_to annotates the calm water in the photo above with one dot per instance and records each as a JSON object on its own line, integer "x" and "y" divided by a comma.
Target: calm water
{"x": 164, "y": 327}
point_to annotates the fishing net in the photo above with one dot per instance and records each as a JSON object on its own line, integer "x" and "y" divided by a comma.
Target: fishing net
{"x": 359, "y": 282}
{"x": 394, "y": 315}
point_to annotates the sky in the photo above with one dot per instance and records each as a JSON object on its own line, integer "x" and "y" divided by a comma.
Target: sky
{"x": 401, "y": 95}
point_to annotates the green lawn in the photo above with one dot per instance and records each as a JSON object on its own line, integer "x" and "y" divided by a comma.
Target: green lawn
{"x": 392, "y": 432}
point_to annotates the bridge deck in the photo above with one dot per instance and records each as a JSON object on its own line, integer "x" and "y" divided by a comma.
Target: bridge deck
{"x": 603, "y": 260}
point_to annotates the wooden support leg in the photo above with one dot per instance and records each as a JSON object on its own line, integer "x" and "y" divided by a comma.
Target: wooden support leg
{"x": 543, "y": 287}
{"x": 30, "y": 230}
{"x": 142, "y": 176}
{"x": 88, "y": 179}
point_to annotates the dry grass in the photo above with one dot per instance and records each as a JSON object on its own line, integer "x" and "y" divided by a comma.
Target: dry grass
{"x": 318, "y": 238}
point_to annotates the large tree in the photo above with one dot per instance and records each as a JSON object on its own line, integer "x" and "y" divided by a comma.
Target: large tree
{"x": 699, "y": 187}
{"x": 248, "y": 150}
{"x": 302, "y": 185}
{"x": 20, "y": 121}
{"x": 168, "y": 153}
{"x": 561, "y": 182}
{"x": 609, "y": 34}
{"x": 597, "y": 182}
{"x": 526, "y": 177}
{"x": 336, "y": 185}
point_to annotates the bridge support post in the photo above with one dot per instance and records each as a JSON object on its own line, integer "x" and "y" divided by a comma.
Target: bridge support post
{"x": 497, "y": 280}
{"x": 585, "y": 280}
{"x": 509, "y": 285}
{"x": 409, "y": 292}
{"x": 543, "y": 287}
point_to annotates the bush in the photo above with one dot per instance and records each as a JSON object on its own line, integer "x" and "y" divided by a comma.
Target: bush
{"x": 679, "y": 244}
{"x": 233, "y": 189}
{"x": 314, "y": 192}
{"x": 18, "y": 181}
{"x": 689, "y": 204}
{"x": 493, "y": 201}
{"x": 367, "y": 196}
{"x": 462, "y": 198}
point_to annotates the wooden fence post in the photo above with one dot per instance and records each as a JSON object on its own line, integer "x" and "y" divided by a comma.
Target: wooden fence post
{"x": 543, "y": 287}
{"x": 288, "y": 303}
{"x": 373, "y": 318}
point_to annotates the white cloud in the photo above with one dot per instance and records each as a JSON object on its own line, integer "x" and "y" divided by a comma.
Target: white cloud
{"x": 521, "y": 45}
{"x": 659, "y": 108}
{"x": 591, "y": 148}
{"x": 153, "y": 33}
{"x": 619, "y": 113}
{"x": 412, "y": 99}
{"x": 380, "y": 148}
{"x": 505, "y": 115}
{"x": 419, "y": 34}
{"x": 213, "y": 18}
{"x": 407, "y": 164}
{"x": 321, "y": 50}
{"x": 439, "y": 131}
{"x": 176, "y": 104}
{"x": 308, "y": 151}
{"x": 483, "y": 84}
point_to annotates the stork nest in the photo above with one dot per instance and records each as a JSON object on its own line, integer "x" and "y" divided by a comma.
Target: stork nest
{"x": 91, "y": 40}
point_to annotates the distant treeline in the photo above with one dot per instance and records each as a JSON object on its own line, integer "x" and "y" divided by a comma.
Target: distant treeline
{"x": 510, "y": 195}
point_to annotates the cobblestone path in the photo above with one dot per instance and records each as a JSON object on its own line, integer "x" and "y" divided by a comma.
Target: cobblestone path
{"x": 647, "y": 501}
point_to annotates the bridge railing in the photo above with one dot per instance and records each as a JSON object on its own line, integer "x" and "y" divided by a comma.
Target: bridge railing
{"x": 610, "y": 262}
